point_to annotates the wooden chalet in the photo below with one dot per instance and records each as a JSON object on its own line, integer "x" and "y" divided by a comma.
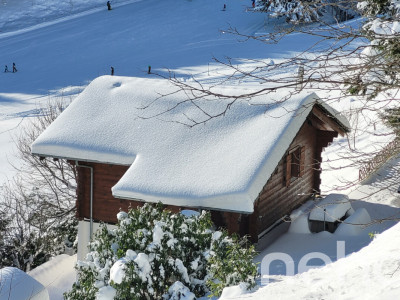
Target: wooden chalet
{"x": 250, "y": 168}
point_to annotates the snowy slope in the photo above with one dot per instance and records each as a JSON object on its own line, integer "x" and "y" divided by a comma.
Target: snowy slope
{"x": 130, "y": 37}
{"x": 24, "y": 14}
{"x": 61, "y": 57}
{"x": 372, "y": 273}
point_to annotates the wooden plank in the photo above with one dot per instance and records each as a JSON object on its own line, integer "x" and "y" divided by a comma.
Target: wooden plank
{"x": 330, "y": 121}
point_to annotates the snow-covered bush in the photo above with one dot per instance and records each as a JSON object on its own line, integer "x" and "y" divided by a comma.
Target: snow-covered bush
{"x": 391, "y": 117}
{"x": 38, "y": 204}
{"x": 378, "y": 64}
{"x": 295, "y": 11}
{"x": 307, "y": 11}
{"x": 27, "y": 248}
{"x": 156, "y": 254}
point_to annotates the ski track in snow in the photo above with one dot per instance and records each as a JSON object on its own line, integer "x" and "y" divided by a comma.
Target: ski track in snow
{"x": 62, "y": 19}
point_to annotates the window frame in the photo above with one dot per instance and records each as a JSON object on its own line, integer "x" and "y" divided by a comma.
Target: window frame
{"x": 291, "y": 174}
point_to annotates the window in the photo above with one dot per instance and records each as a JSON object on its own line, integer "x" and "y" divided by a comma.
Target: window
{"x": 294, "y": 165}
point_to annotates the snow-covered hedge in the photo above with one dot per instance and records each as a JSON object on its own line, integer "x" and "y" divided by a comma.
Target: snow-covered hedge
{"x": 156, "y": 254}
{"x": 295, "y": 11}
{"x": 379, "y": 61}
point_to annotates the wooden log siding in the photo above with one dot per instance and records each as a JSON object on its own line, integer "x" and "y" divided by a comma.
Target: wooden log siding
{"x": 282, "y": 193}
{"x": 105, "y": 206}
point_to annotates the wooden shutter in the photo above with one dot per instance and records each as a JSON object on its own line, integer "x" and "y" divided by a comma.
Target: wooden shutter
{"x": 288, "y": 169}
{"x": 302, "y": 160}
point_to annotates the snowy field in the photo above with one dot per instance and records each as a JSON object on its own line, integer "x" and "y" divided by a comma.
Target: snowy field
{"x": 56, "y": 47}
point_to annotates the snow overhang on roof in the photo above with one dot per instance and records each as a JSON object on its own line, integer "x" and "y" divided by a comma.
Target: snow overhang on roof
{"x": 222, "y": 164}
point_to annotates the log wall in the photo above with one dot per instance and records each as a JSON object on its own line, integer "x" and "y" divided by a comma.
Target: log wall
{"x": 282, "y": 194}
{"x": 105, "y": 206}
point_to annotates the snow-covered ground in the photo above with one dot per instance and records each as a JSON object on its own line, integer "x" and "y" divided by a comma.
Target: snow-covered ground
{"x": 371, "y": 273}
{"x": 24, "y": 15}
{"x": 61, "y": 46}
{"x": 57, "y": 275}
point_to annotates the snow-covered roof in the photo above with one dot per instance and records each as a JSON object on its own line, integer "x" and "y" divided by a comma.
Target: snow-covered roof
{"x": 222, "y": 164}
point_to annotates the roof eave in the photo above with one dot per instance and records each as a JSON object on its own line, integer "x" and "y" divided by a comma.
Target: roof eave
{"x": 345, "y": 128}
{"x": 183, "y": 202}
{"x": 78, "y": 159}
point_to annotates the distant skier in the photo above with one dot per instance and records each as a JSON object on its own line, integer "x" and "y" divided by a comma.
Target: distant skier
{"x": 112, "y": 71}
{"x": 224, "y": 7}
{"x": 149, "y": 70}
{"x": 253, "y": 3}
{"x": 108, "y": 5}
{"x": 14, "y": 68}
{"x": 6, "y": 69}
